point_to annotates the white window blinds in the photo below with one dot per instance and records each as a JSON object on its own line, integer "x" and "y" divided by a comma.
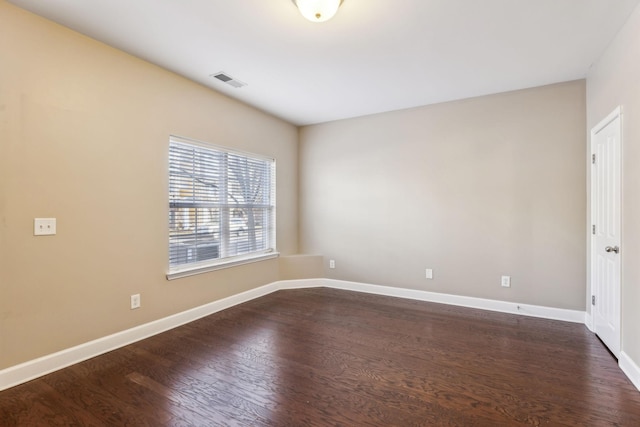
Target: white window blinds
{"x": 221, "y": 205}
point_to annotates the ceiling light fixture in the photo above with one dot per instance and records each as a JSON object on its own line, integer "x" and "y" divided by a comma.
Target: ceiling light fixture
{"x": 318, "y": 10}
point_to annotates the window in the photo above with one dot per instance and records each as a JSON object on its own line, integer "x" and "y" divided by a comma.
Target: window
{"x": 221, "y": 207}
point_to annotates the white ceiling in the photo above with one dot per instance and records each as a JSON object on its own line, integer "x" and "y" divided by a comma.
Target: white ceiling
{"x": 374, "y": 56}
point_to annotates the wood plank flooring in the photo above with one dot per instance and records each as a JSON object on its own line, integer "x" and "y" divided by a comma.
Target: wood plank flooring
{"x": 325, "y": 357}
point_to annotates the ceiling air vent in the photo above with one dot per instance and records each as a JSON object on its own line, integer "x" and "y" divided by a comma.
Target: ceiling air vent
{"x": 226, "y": 78}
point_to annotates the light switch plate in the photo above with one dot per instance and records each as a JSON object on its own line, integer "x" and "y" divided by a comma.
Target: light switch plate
{"x": 44, "y": 226}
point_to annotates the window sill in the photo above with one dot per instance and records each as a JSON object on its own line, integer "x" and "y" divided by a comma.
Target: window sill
{"x": 193, "y": 270}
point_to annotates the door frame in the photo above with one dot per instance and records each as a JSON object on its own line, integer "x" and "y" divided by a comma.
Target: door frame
{"x": 590, "y": 323}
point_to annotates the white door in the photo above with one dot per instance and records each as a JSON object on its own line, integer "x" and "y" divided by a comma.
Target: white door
{"x": 605, "y": 233}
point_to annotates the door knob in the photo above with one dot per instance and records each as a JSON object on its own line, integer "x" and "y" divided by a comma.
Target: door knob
{"x": 612, "y": 249}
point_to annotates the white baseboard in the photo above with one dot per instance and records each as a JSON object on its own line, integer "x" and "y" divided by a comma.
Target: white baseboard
{"x": 574, "y": 316}
{"x": 32, "y": 369}
{"x": 629, "y": 367}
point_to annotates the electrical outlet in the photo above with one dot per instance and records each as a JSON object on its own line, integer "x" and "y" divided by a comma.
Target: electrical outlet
{"x": 332, "y": 263}
{"x": 506, "y": 281}
{"x": 429, "y": 273}
{"x": 135, "y": 301}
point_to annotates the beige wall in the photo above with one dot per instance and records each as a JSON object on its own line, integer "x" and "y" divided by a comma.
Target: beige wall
{"x": 613, "y": 81}
{"x": 301, "y": 266}
{"x": 473, "y": 189}
{"x": 84, "y": 133}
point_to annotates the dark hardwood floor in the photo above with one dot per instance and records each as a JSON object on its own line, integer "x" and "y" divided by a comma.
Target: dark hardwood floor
{"x": 324, "y": 357}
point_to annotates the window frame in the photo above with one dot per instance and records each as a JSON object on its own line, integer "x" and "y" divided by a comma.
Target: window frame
{"x": 197, "y": 267}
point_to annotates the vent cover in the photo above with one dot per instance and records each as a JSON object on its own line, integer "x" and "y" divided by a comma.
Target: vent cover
{"x": 226, "y": 78}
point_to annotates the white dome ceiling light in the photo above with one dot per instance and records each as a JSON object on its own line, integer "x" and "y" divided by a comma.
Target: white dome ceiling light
{"x": 318, "y": 10}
